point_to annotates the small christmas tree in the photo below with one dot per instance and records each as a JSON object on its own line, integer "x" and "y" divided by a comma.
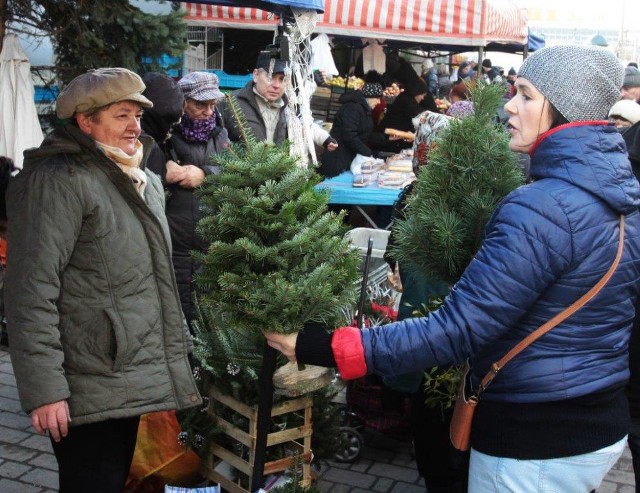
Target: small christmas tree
{"x": 277, "y": 261}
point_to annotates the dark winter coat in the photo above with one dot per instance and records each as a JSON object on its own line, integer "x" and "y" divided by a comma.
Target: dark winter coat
{"x": 547, "y": 244}
{"x": 247, "y": 103}
{"x": 353, "y": 130}
{"x": 168, "y": 102}
{"x": 183, "y": 208}
{"x": 94, "y": 313}
{"x": 401, "y": 112}
{"x": 399, "y": 115}
{"x": 631, "y": 137}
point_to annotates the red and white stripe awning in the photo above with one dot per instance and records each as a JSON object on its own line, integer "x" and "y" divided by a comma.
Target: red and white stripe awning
{"x": 454, "y": 22}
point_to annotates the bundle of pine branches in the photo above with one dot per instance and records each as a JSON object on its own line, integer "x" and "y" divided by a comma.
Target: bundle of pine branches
{"x": 469, "y": 172}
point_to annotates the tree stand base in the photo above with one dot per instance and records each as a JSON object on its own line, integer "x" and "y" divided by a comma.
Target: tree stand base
{"x": 291, "y": 381}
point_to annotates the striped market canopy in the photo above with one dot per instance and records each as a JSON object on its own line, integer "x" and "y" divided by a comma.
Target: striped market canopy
{"x": 446, "y": 22}
{"x": 270, "y": 5}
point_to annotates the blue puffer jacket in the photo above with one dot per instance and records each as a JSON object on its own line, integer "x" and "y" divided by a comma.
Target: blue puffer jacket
{"x": 547, "y": 244}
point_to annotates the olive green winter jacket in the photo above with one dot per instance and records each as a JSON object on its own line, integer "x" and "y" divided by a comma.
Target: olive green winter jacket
{"x": 92, "y": 306}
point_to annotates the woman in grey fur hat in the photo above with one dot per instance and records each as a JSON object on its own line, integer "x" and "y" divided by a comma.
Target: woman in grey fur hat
{"x": 555, "y": 417}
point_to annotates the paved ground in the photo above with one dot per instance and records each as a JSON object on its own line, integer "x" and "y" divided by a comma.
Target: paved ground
{"x": 27, "y": 464}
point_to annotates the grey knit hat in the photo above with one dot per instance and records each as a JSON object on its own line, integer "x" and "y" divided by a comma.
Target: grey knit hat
{"x": 631, "y": 77}
{"x": 581, "y": 82}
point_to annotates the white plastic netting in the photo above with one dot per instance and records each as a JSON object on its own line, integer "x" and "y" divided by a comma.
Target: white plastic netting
{"x": 300, "y": 85}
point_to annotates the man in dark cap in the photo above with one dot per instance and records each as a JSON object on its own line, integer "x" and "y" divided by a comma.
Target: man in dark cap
{"x": 463, "y": 71}
{"x": 265, "y": 106}
{"x": 631, "y": 84}
{"x": 262, "y": 101}
{"x": 489, "y": 72}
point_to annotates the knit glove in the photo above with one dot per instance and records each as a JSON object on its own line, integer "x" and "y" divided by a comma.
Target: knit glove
{"x": 313, "y": 346}
{"x": 329, "y": 140}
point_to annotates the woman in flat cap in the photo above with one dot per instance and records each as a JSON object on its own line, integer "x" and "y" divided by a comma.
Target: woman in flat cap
{"x": 95, "y": 326}
{"x": 199, "y": 134}
{"x": 555, "y": 417}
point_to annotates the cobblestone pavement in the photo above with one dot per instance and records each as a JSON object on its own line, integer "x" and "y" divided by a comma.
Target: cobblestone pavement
{"x": 27, "y": 464}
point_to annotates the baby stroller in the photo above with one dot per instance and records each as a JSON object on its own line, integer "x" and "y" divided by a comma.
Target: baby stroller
{"x": 367, "y": 403}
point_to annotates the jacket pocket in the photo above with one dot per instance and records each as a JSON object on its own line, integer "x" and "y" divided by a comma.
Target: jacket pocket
{"x": 93, "y": 340}
{"x": 119, "y": 351}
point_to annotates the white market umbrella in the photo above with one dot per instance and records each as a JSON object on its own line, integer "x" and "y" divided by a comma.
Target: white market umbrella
{"x": 19, "y": 125}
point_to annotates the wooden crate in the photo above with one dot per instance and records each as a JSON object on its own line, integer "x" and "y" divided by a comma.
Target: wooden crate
{"x": 320, "y": 104}
{"x": 322, "y": 92}
{"x": 297, "y": 440}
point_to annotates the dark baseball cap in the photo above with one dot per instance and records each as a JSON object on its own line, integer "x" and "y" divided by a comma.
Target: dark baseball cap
{"x": 265, "y": 60}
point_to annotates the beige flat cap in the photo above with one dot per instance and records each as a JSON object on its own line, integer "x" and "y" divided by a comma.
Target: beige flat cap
{"x": 98, "y": 88}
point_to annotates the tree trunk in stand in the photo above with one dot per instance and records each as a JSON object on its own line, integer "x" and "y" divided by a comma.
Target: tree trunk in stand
{"x": 265, "y": 404}
{"x": 290, "y": 381}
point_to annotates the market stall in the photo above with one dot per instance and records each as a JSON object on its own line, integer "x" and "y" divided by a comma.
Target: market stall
{"x": 468, "y": 23}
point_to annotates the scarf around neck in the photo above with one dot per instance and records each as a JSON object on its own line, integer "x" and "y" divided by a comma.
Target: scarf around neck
{"x": 197, "y": 130}
{"x": 130, "y": 165}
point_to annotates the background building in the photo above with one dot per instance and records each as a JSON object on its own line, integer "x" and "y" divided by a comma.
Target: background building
{"x": 578, "y": 21}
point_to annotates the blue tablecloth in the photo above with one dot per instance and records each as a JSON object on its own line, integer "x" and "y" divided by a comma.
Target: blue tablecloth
{"x": 343, "y": 192}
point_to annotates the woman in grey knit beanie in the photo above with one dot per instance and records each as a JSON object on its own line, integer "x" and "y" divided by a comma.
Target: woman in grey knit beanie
{"x": 562, "y": 84}
{"x": 555, "y": 417}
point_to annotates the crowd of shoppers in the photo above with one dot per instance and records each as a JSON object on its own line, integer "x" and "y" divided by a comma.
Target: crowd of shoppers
{"x": 97, "y": 313}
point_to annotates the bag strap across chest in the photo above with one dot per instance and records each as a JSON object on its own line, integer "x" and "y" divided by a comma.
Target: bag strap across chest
{"x": 557, "y": 319}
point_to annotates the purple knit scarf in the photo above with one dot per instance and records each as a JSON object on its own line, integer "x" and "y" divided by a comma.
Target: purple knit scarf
{"x": 197, "y": 130}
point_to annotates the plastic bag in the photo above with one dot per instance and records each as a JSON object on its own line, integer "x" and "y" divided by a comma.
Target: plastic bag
{"x": 360, "y": 162}
{"x": 321, "y": 57}
{"x": 159, "y": 458}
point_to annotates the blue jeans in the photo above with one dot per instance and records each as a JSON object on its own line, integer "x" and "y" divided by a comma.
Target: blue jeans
{"x": 575, "y": 474}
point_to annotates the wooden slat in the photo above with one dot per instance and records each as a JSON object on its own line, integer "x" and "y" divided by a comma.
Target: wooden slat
{"x": 247, "y": 411}
{"x": 226, "y": 483}
{"x": 291, "y": 406}
{"x": 289, "y": 435}
{"x": 235, "y": 432}
{"x": 232, "y": 459}
{"x": 283, "y": 464}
